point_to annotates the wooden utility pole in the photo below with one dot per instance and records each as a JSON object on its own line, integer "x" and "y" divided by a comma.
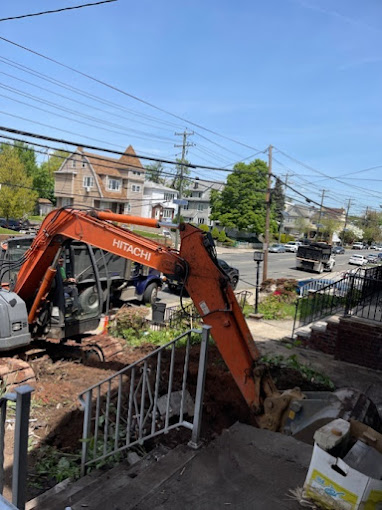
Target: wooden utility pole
{"x": 268, "y": 214}
{"x": 320, "y": 214}
{"x": 346, "y": 219}
{"x": 184, "y": 146}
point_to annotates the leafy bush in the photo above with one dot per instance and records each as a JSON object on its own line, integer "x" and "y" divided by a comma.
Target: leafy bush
{"x": 129, "y": 318}
{"x": 215, "y": 233}
{"x": 204, "y": 227}
{"x": 267, "y": 284}
{"x": 222, "y": 236}
{"x": 274, "y": 307}
{"x": 284, "y": 238}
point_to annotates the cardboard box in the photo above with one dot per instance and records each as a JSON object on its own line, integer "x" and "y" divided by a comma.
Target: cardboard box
{"x": 334, "y": 485}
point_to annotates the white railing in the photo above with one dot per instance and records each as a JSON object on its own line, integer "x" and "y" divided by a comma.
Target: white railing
{"x": 144, "y": 400}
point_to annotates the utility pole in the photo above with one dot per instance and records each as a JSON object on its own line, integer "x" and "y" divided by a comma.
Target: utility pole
{"x": 346, "y": 219}
{"x": 184, "y": 146}
{"x": 285, "y": 192}
{"x": 320, "y": 214}
{"x": 268, "y": 214}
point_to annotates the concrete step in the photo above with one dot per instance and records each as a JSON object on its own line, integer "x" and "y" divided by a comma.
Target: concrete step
{"x": 126, "y": 491}
{"x": 319, "y": 327}
{"x": 67, "y": 493}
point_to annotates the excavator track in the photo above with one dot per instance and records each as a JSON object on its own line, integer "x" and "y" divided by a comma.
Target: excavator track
{"x": 97, "y": 348}
{"x": 15, "y": 372}
{"x": 105, "y": 347}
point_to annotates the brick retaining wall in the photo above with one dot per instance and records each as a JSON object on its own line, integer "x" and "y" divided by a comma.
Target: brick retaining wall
{"x": 360, "y": 341}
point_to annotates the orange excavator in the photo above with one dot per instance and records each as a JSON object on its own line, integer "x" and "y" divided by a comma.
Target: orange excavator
{"x": 39, "y": 308}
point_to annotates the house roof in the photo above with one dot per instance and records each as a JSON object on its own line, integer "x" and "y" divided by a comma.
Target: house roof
{"x": 161, "y": 187}
{"x": 112, "y": 167}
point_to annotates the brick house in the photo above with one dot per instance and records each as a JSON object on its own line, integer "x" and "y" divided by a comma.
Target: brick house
{"x": 92, "y": 180}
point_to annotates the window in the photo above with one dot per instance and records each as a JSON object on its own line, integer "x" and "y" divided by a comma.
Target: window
{"x": 88, "y": 181}
{"x": 83, "y": 164}
{"x": 168, "y": 197}
{"x": 113, "y": 184}
{"x": 196, "y": 194}
{"x": 167, "y": 213}
{"x": 185, "y": 207}
{"x": 65, "y": 201}
{"x": 200, "y": 221}
{"x": 127, "y": 208}
{"x": 200, "y": 207}
{"x": 136, "y": 173}
{"x": 136, "y": 188}
{"x": 73, "y": 163}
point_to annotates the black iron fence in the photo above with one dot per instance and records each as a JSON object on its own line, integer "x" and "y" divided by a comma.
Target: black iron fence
{"x": 358, "y": 294}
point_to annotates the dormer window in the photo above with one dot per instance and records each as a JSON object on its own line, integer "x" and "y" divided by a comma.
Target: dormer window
{"x": 73, "y": 163}
{"x": 113, "y": 184}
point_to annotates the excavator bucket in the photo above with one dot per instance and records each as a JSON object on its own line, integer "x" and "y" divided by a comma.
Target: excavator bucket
{"x": 305, "y": 416}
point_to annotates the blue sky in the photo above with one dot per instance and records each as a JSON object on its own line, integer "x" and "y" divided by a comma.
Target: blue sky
{"x": 302, "y": 75}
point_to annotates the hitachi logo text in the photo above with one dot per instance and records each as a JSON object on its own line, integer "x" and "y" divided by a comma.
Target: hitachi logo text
{"x": 134, "y": 250}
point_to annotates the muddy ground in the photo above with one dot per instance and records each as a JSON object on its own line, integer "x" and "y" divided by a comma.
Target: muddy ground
{"x": 56, "y": 416}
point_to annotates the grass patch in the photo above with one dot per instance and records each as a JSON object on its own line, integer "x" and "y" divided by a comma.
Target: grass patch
{"x": 149, "y": 235}
{"x": 7, "y": 231}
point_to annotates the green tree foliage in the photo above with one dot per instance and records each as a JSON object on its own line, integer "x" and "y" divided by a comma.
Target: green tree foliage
{"x": 302, "y": 225}
{"x": 278, "y": 200}
{"x": 16, "y": 194}
{"x": 330, "y": 225}
{"x": 27, "y": 156}
{"x": 154, "y": 173}
{"x": 181, "y": 183}
{"x": 241, "y": 204}
{"x": 222, "y": 236}
{"x": 371, "y": 227}
{"x": 43, "y": 177}
{"x": 215, "y": 233}
{"x": 204, "y": 227}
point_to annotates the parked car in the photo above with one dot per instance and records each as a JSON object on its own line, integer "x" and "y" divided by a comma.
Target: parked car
{"x": 378, "y": 248}
{"x": 230, "y": 271}
{"x": 338, "y": 250}
{"x": 372, "y": 258}
{"x": 11, "y": 224}
{"x": 358, "y": 260}
{"x": 276, "y": 248}
{"x": 292, "y": 246}
{"x": 358, "y": 246}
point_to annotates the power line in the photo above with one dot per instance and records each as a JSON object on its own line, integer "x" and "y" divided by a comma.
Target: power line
{"x": 103, "y": 149}
{"x": 121, "y": 91}
{"x": 57, "y": 10}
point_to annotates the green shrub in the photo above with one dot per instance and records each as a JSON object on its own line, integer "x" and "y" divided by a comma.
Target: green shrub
{"x": 222, "y": 236}
{"x": 129, "y": 318}
{"x": 204, "y": 227}
{"x": 275, "y": 307}
{"x": 215, "y": 233}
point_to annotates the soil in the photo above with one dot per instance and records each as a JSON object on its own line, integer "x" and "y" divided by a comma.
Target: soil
{"x": 57, "y": 416}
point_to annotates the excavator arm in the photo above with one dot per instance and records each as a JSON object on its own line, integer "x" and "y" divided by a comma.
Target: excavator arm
{"x": 195, "y": 263}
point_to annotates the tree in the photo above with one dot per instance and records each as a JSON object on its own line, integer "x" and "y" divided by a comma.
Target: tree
{"x": 351, "y": 234}
{"x": 372, "y": 229}
{"x": 154, "y": 172}
{"x": 43, "y": 177}
{"x": 181, "y": 183}
{"x": 278, "y": 200}
{"x": 302, "y": 225}
{"x": 27, "y": 157}
{"x": 330, "y": 225}
{"x": 241, "y": 204}
{"x": 16, "y": 194}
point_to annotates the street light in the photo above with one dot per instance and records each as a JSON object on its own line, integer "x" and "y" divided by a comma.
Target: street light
{"x": 258, "y": 256}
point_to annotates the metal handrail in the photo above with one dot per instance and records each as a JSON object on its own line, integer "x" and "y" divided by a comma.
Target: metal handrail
{"x": 137, "y": 403}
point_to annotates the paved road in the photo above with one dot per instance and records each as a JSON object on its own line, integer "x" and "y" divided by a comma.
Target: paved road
{"x": 281, "y": 265}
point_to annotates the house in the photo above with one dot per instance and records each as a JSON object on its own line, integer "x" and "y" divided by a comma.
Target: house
{"x": 44, "y": 206}
{"x": 91, "y": 180}
{"x": 158, "y": 202}
{"x": 297, "y": 217}
{"x": 198, "y": 209}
